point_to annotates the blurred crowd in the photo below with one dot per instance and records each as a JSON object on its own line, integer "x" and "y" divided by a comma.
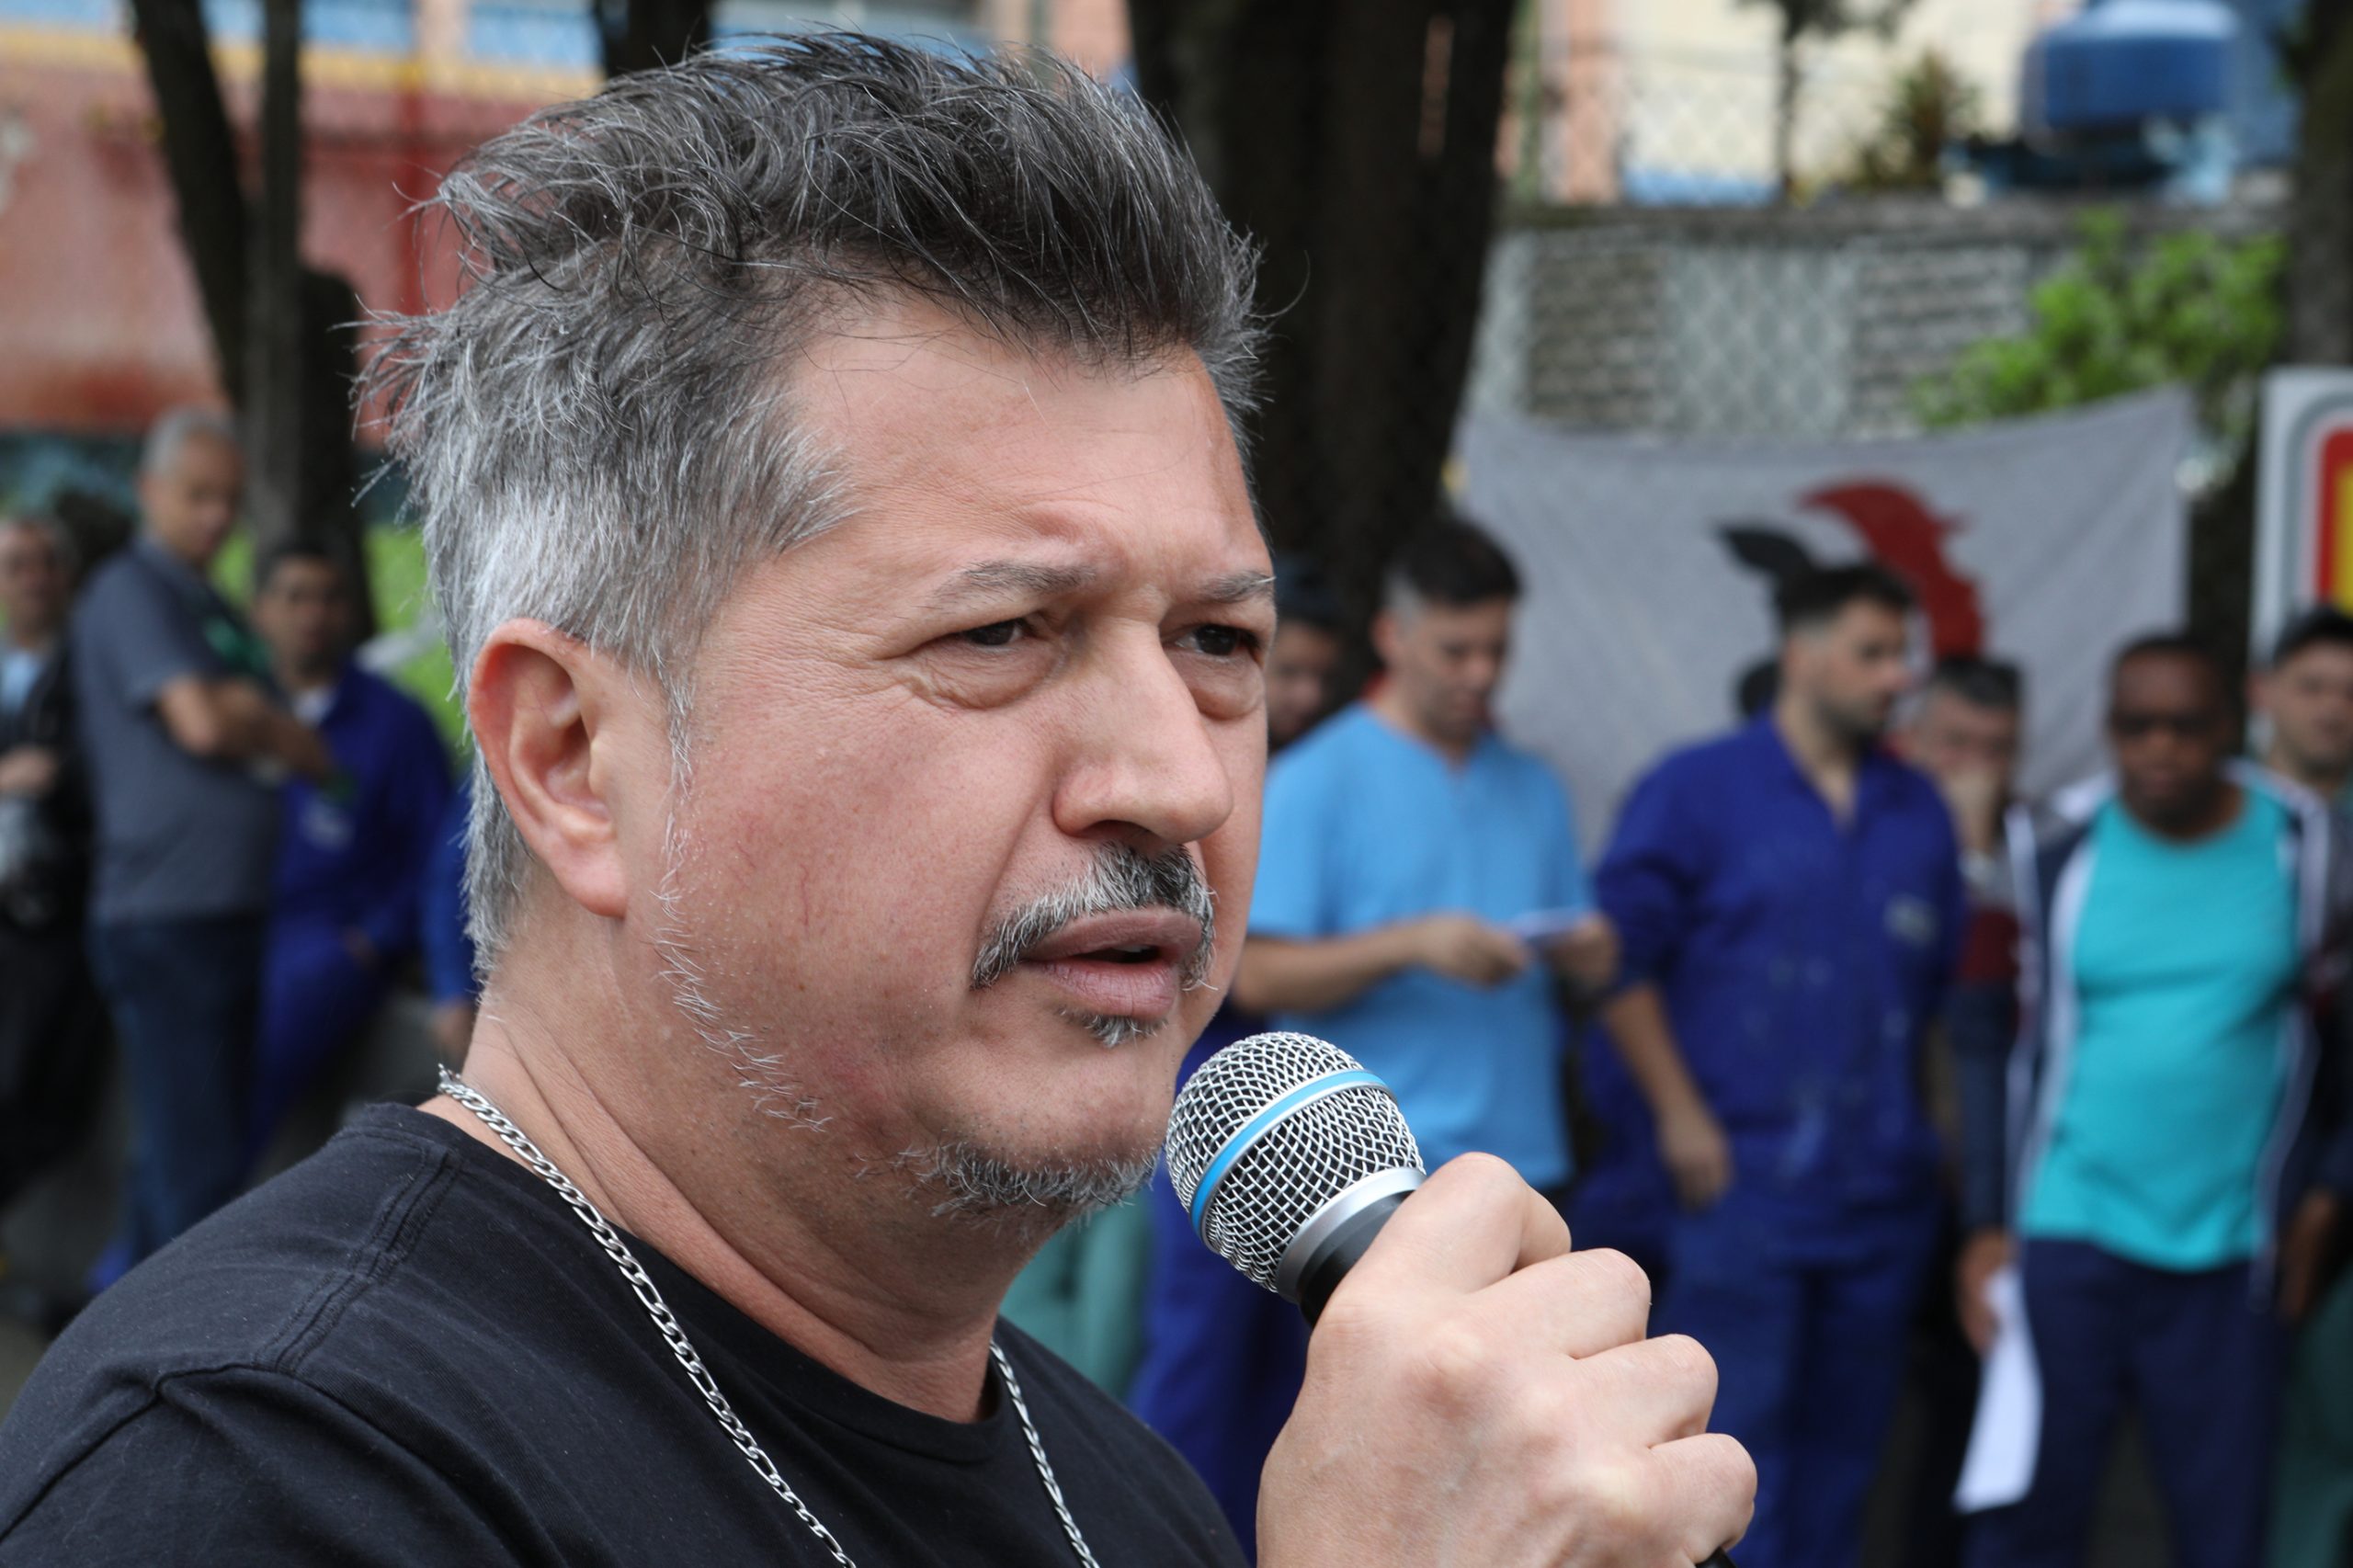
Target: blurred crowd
{"x": 1880, "y": 1071}
{"x": 222, "y": 843}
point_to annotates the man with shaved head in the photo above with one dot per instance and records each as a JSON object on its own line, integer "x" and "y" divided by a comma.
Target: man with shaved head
{"x": 832, "y": 493}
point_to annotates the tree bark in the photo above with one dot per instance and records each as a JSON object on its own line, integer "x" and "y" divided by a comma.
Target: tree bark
{"x": 1356, "y": 142}
{"x": 283, "y": 335}
{"x": 642, "y": 35}
{"x": 2320, "y": 222}
{"x": 200, "y": 158}
{"x": 275, "y": 342}
{"x": 1786, "y": 84}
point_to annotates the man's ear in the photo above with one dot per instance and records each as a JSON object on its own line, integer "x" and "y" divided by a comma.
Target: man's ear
{"x": 1385, "y": 633}
{"x": 539, "y": 702}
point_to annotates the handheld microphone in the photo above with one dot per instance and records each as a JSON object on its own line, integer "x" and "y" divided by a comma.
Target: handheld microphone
{"x": 1289, "y": 1157}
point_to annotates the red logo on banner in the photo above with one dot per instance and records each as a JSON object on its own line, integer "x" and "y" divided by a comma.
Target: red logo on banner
{"x": 1902, "y": 535}
{"x": 1909, "y": 540}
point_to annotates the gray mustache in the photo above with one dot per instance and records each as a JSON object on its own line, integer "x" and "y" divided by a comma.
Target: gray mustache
{"x": 1122, "y": 878}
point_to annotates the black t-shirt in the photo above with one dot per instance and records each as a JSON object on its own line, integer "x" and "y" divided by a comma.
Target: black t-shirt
{"x": 408, "y": 1351}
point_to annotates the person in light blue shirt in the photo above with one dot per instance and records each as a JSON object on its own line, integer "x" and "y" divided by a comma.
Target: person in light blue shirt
{"x": 1418, "y": 877}
{"x": 2170, "y": 1138}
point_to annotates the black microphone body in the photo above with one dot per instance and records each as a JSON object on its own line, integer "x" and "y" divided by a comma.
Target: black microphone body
{"x": 1289, "y": 1158}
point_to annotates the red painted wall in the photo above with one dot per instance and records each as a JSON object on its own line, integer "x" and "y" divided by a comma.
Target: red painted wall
{"x": 100, "y": 325}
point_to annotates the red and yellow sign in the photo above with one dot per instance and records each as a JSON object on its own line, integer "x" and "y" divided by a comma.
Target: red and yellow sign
{"x": 2304, "y": 503}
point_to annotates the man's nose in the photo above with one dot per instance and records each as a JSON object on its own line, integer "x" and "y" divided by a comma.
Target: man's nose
{"x": 1144, "y": 758}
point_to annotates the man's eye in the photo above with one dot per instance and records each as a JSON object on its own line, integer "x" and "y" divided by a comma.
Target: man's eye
{"x": 996, "y": 634}
{"x": 1223, "y": 641}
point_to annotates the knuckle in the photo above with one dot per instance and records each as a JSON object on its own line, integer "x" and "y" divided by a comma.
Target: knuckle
{"x": 1488, "y": 1169}
{"x": 1619, "y": 1276}
{"x": 1456, "y": 1366}
{"x": 1686, "y": 1362}
{"x": 1349, "y": 1329}
{"x": 1610, "y": 1498}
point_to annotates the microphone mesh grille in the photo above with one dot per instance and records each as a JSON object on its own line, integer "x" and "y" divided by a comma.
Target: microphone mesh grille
{"x": 1297, "y": 1165}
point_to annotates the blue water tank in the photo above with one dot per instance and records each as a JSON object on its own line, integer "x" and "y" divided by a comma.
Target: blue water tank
{"x": 2120, "y": 63}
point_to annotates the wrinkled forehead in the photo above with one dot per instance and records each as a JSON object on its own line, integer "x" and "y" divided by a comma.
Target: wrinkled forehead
{"x": 966, "y": 443}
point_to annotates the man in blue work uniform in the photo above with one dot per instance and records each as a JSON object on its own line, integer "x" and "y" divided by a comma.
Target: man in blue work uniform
{"x": 2172, "y": 1165}
{"x": 352, "y": 857}
{"x": 1789, "y": 899}
{"x": 445, "y": 948}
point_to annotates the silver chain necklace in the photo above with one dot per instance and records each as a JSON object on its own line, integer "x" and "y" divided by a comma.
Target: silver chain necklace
{"x": 682, "y": 1347}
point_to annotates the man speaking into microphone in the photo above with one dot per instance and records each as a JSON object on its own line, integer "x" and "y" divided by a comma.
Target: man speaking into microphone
{"x": 832, "y": 494}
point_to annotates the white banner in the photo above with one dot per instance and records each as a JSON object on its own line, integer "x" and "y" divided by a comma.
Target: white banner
{"x": 1650, "y": 564}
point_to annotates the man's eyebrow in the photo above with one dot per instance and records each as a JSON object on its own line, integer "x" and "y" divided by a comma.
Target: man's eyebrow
{"x": 1032, "y": 578}
{"x": 1237, "y": 588}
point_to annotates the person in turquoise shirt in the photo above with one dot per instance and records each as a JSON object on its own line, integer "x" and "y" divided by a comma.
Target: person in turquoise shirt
{"x": 2165, "y": 1142}
{"x": 1418, "y": 878}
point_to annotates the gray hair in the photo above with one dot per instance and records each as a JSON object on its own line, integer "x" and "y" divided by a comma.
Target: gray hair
{"x": 176, "y": 428}
{"x": 599, "y": 432}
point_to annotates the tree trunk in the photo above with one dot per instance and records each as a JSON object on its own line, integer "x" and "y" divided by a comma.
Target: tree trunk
{"x": 1785, "y": 112}
{"x": 283, "y": 335}
{"x": 641, "y": 35}
{"x": 2320, "y": 222}
{"x": 201, "y": 157}
{"x": 1356, "y": 142}
{"x": 274, "y": 346}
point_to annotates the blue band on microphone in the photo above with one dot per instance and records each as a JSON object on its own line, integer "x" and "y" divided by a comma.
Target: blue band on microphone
{"x": 1250, "y": 1132}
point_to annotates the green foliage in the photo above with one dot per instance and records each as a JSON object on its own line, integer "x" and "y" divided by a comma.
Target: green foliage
{"x": 396, "y": 581}
{"x": 2191, "y": 307}
{"x": 1931, "y": 107}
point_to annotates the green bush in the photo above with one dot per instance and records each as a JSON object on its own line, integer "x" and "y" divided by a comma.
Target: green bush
{"x": 2191, "y": 307}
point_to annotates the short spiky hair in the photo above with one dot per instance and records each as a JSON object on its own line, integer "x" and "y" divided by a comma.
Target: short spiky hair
{"x": 1450, "y": 562}
{"x": 600, "y": 432}
{"x": 1811, "y": 601}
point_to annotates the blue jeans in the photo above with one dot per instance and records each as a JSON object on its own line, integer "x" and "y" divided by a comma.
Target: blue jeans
{"x": 2199, "y": 1359}
{"x": 185, "y": 998}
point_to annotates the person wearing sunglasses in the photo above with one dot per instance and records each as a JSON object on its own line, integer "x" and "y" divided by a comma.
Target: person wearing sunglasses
{"x": 2165, "y": 1152}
